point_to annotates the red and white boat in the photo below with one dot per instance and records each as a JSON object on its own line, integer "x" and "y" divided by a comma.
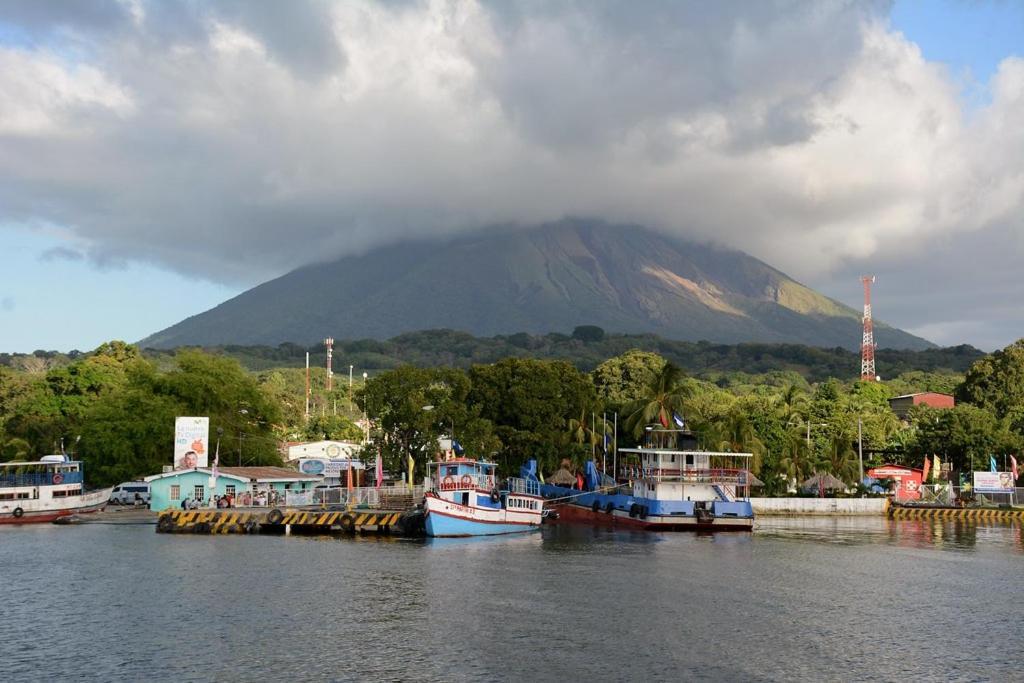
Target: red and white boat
{"x": 46, "y": 490}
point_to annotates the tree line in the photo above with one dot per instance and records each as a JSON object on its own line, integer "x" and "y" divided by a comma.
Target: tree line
{"x": 114, "y": 408}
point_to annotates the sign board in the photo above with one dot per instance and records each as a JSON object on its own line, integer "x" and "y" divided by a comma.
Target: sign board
{"x": 993, "y": 482}
{"x": 907, "y": 480}
{"x": 191, "y": 442}
{"x": 323, "y": 467}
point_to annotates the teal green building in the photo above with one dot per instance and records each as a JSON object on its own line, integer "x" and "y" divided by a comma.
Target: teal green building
{"x": 247, "y": 486}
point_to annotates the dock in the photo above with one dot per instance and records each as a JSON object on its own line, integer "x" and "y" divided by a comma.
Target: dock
{"x": 288, "y": 521}
{"x": 949, "y": 512}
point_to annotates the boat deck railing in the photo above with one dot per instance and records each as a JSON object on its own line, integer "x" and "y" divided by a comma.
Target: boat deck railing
{"x": 690, "y": 475}
{"x": 526, "y": 487}
{"x": 466, "y": 481}
{"x": 10, "y": 478}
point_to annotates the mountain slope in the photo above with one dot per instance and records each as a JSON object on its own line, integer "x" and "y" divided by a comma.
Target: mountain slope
{"x": 624, "y": 279}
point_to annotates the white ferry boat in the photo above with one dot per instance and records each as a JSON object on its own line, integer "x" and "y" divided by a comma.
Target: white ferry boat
{"x": 465, "y": 500}
{"x": 45, "y": 490}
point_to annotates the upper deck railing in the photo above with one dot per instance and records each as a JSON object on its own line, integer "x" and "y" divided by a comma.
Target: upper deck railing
{"x": 523, "y": 486}
{"x": 690, "y": 475}
{"x": 466, "y": 481}
{"x": 36, "y": 474}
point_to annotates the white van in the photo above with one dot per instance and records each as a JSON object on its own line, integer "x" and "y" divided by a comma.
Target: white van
{"x": 130, "y": 493}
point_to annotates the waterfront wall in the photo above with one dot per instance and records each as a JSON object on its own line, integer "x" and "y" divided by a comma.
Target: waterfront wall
{"x": 820, "y": 506}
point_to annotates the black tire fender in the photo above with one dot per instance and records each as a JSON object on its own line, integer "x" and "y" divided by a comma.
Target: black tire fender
{"x": 634, "y": 510}
{"x": 643, "y": 512}
{"x": 495, "y": 495}
{"x": 18, "y": 512}
{"x": 275, "y": 516}
{"x": 596, "y": 506}
{"x": 165, "y": 524}
{"x": 201, "y": 528}
{"x": 347, "y": 523}
{"x": 609, "y": 507}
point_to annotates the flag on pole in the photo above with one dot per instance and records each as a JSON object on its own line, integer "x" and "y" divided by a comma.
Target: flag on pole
{"x": 927, "y": 468}
{"x": 936, "y": 468}
{"x": 540, "y": 475}
{"x": 380, "y": 469}
{"x": 678, "y": 420}
{"x": 457, "y": 447}
{"x": 992, "y": 464}
{"x": 412, "y": 468}
{"x": 1013, "y": 467}
{"x": 663, "y": 419}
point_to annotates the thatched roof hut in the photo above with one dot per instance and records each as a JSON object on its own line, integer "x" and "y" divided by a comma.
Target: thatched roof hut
{"x": 822, "y": 480}
{"x": 562, "y": 477}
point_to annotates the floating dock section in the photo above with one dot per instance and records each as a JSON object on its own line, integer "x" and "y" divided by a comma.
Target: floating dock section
{"x": 277, "y": 521}
{"x": 922, "y": 512}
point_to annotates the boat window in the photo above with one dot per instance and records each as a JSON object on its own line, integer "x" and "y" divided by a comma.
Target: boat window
{"x": 689, "y": 459}
{"x": 175, "y": 492}
{"x": 673, "y": 457}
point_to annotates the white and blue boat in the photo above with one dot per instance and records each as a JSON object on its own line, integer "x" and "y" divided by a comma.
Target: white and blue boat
{"x": 668, "y": 484}
{"x": 464, "y": 499}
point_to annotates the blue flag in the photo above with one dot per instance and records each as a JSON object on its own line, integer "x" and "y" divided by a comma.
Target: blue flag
{"x": 457, "y": 447}
{"x": 678, "y": 420}
{"x": 992, "y": 463}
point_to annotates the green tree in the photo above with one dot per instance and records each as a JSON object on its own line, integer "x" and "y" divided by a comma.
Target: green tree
{"x": 626, "y": 378}
{"x": 663, "y": 396}
{"x": 996, "y": 382}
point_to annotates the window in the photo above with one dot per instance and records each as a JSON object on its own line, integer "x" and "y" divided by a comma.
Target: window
{"x": 200, "y": 492}
{"x": 689, "y": 460}
{"x": 175, "y": 492}
{"x": 230, "y": 490}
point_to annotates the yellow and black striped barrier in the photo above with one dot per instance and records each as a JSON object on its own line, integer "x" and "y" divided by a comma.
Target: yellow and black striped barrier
{"x": 276, "y": 520}
{"x": 901, "y": 512}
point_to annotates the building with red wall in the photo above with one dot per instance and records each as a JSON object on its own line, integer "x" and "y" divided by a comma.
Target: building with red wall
{"x": 901, "y": 405}
{"x": 908, "y": 480}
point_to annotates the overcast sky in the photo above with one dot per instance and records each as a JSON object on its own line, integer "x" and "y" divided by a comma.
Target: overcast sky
{"x": 156, "y": 158}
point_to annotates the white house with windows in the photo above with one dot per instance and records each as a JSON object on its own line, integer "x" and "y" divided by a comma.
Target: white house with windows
{"x": 323, "y": 450}
{"x": 245, "y": 485}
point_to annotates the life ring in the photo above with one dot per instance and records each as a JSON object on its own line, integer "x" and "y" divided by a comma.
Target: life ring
{"x": 467, "y": 480}
{"x": 347, "y": 523}
{"x": 609, "y": 507}
{"x": 58, "y": 478}
{"x": 18, "y": 512}
{"x": 596, "y": 507}
{"x": 634, "y": 510}
{"x": 448, "y": 482}
{"x": 275, "y": 516}
{"x": 495, "y": 495}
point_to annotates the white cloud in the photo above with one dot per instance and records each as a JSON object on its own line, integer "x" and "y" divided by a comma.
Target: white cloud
{"x": 215, "y": 141}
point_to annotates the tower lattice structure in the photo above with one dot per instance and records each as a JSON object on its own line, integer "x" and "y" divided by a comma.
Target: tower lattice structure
{"x": 867, "y": 343}
{"x": 329, "y": 343}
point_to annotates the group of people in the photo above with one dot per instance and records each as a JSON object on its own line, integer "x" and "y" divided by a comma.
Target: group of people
{"x": 246, "y": 499}
{"x": 225, "y": 501}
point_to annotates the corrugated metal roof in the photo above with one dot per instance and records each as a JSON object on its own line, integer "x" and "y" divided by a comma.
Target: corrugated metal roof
{"x": 263, "y": 473}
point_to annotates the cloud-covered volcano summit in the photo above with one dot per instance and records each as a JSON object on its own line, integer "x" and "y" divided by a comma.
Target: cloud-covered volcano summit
{"x": 550, "y": 278}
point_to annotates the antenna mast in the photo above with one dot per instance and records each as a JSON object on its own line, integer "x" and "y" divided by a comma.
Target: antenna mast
{"x": 329, "y": 343}
{"x": 867, "y": 344}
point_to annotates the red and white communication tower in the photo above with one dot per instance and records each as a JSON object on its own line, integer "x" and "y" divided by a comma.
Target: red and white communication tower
{"x": 867, "y": 344}
{"x": 329, "y": 343}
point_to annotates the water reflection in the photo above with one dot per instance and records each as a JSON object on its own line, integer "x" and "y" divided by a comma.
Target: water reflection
{"x": 943, "y": 534}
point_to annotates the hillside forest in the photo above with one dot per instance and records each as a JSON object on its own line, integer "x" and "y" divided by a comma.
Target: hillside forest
{"x": 114, "y": 407}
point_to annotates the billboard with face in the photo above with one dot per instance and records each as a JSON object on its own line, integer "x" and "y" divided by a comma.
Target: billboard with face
{"x": 191, "y": 442}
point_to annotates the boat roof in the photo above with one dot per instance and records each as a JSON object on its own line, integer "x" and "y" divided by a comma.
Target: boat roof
{"x": 670, "y": 451}
{"x": 21, "y": 463}
{"x": 464, "y": 461}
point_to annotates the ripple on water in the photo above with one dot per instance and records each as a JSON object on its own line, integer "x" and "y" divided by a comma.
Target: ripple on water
{"x": 821, "y": 599}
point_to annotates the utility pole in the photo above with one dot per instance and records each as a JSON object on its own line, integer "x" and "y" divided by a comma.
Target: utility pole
{"x": 329, "y": 343}
{"x": 307, "y": 386}
{"x": 860, "y": 447}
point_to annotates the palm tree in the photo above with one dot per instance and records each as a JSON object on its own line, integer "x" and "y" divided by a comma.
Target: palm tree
{"x": 797, "y": 460}
{"x": 735, "y": 433}
{"x": 840, "y": 459}
{"x": 662, "y": 397}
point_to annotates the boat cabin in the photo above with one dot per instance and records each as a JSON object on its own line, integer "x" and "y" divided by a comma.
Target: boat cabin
{"x": 50, "y": 477}
{"x": 474, "y": 483}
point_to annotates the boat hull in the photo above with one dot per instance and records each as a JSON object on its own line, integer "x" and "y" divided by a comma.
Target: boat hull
{"x": 447, "y": 520}
{"x": 33, "y": 513}
{"x": 569, "y": 513}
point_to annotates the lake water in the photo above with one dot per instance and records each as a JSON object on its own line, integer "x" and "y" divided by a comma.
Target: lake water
{"x": 809, "y": 599}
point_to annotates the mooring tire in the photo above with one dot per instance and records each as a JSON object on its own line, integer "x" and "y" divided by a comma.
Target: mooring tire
{"x": 252, "y": 526}
{"x": 495, "y": 495}
{"x": 201, "y": 528}
{"x": 634, "y": 510}
{"x": 347, "y": 523}
{"x": 643, "y": 512}
{"x": 275, "y": 516}
{"x": 18, "y": 512}
{"x": 609, "y": 507}
{"x": 596, "y": 506}
{"x": 165, "y": 524}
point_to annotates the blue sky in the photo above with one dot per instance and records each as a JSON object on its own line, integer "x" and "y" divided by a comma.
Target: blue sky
{"x": 70, "y": 302}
